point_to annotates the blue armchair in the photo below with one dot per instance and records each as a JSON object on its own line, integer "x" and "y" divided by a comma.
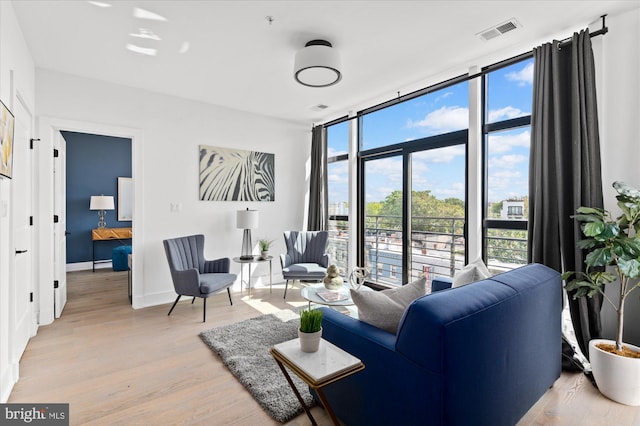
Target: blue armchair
{"x": 306, "y": 257}
{"x": 194, "y": 276}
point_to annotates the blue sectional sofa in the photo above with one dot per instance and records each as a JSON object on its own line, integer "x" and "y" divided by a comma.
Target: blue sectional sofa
{"x": 481, "y": 354}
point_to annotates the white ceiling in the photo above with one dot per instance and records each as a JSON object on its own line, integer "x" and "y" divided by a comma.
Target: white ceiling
{"x": 235, "y": 58}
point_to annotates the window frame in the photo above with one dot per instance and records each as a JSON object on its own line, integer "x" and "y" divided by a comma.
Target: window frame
{"x": 335, "y": 159}
{"x": 487, "y": 129}
{"x": 404, "y": 151}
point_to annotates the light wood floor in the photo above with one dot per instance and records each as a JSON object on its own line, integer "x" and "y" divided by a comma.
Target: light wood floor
{"x": 116, "y": 365}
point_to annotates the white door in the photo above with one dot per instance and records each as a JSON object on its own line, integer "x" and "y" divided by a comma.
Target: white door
{"x": 60, "y": 224}
{"x": 23, "y": 317}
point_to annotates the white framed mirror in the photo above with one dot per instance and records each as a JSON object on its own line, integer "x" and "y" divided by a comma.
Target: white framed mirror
{"x": 125, "y": 199}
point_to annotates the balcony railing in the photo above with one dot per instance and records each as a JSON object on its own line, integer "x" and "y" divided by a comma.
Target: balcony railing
{"x": 437, "y": 247}
{"x": 338, "y": 244}
{"x": 506, "y": 248}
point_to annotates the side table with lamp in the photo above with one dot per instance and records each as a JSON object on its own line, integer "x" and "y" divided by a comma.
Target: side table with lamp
{"x": 248, "y": 220}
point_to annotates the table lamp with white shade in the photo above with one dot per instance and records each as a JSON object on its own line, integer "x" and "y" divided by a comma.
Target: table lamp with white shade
{"x": 102, "y": 203}
{"x": 247, "y": 220}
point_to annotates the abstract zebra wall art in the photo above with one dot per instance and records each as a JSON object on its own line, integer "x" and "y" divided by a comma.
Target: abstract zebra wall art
{"x": 236, "y": 175}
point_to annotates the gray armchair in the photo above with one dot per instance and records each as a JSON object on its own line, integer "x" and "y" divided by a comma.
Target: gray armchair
{"x": 306, "y": 257}
{"x": 194, "y": 276}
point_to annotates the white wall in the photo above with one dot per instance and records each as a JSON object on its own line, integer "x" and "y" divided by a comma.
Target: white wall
{"x": 618, "y": 62}
{"x": 17, "y": 73}
{"x": 167, "y": 164}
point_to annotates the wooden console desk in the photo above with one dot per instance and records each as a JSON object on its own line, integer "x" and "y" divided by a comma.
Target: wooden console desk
{"x": 107, "y": 234}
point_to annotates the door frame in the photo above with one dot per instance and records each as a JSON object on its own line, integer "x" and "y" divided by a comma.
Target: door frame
{"x": 49, "y": 129}
{"x": 33, "y": 321}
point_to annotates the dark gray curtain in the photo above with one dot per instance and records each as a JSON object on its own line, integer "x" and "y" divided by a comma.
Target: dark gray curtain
{"x": 564, "y": 171}
{"x": 318, "y": 219}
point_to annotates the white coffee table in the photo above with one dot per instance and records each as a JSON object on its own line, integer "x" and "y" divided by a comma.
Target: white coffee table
{"x": 310, "y": 293}
{"x": 318, "y": 369}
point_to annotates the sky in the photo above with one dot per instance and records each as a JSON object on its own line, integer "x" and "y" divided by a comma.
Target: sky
{"x": 442, "y": 170}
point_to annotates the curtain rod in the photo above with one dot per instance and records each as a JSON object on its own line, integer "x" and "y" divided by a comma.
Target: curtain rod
{"x": 458, "y": 79}
{"x": 602, "y": 31}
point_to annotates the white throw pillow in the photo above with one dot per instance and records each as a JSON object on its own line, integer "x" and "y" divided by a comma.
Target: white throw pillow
{"x": 474, "y": 271}
{"x": 384, "y": 309}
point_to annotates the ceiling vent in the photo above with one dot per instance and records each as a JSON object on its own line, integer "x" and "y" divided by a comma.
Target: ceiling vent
{"x": 499, "y": 29}
{"x": 319, "y": 107}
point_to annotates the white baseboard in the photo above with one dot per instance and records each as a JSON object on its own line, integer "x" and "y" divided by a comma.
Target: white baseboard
{"x": 8, "y": 380}
{"x": 155, "y": 299}
{"x": 85, "y": 266}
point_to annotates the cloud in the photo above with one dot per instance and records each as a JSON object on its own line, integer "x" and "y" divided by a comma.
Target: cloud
{"x": 440, "y": 155}
{"x": 507, "y": 174}
{"x": 455, "y": 190}
{"x": 503, "y": 189}
{"x": 331, "y": 152}
{"x": 337, "y": 178}
{"x": 505, "y": 113}
{"x": 506, "y": 161}
{"x": 522, "y": 77}
{"x": 443, "y": 120}
{"x": 502, "y": 186}
{"x": 445, "y": 95}
{"x": 499, "y": 144}
{"x": 387, "y": 172}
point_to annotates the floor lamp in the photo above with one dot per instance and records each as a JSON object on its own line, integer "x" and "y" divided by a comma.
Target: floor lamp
{"x": 247, "y": 220}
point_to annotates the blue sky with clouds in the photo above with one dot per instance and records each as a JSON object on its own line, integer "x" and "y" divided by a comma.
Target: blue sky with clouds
{"x": 442, "y": 170}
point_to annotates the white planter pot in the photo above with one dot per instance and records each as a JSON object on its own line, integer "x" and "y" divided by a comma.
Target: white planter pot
{"x": 309, "y": 342}
{"x": 617, "y": 377}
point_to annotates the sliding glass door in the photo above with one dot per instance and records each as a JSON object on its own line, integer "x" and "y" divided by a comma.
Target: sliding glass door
{"x": 383, "y": 219}
{"x": 415, "y": 209}
{"x": 438, "y": 181}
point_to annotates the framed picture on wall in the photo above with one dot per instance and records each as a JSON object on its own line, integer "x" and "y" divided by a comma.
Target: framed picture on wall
{"x": 7, "y": 122}
{"x": 125, "y": 199}
{"x": 228, "y": 174}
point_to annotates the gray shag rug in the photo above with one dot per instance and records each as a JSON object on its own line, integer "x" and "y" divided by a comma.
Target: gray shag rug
{"x": 244, "y": 349}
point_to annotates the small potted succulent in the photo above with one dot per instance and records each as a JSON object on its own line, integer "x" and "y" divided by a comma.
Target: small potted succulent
{"x": 613, "y": 247}
{"x": 265, "y": 245}
{"x": 310, "y": 330}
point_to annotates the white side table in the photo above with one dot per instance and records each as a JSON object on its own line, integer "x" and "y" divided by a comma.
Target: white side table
{"x": 317, "y": 369}
{"x": 254, "y": 259}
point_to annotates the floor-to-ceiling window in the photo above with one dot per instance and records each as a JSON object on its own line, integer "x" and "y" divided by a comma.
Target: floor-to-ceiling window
{"x": 412, "y": 183}
{"x": 412, "y": 190}
{"x": 507, "y": 119}
{"x": 338, "y": 192}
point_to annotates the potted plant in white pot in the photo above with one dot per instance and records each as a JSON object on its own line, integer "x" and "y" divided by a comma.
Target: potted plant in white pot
{"x": 613, "y": 247}
{"x": 310, "y": 330}
{"x": 265, "y": 245}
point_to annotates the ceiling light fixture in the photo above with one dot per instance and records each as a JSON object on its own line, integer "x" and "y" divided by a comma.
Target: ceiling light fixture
{"x": 317, "y": 65}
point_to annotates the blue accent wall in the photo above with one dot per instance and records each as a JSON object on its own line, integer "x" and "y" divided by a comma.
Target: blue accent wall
{"x": 94, "y": 164}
